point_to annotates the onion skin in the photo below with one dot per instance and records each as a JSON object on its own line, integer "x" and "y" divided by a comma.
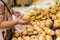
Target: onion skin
{"x": 25, "y": 17}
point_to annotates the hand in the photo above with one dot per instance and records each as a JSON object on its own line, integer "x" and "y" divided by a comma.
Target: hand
{"x": 22, "y": 21}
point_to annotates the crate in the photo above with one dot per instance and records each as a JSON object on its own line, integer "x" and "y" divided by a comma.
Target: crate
{"x": 23, "y": 2}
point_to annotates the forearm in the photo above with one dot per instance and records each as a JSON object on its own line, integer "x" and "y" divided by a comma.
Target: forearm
{"x": 7, "y": 24}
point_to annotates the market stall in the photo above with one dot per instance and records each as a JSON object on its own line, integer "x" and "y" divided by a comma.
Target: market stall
{"x": 44, "y": 22}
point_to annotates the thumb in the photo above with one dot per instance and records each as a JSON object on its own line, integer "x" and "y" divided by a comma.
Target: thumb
{"x": 20, "y": 16}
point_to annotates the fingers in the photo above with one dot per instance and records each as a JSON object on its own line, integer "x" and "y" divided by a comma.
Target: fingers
{"x": 24, "y": 22}
{"x": 21, "y": 21}
{"x": 21, "y": 16}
